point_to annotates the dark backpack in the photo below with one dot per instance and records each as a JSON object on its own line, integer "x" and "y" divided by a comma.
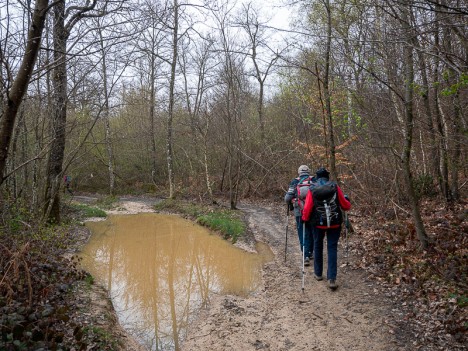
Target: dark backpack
{"x": 326, "y": 211}
{"x": 302, "y": 188}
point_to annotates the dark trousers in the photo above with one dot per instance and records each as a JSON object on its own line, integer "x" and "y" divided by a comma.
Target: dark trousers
{"x": 333, "y": 235}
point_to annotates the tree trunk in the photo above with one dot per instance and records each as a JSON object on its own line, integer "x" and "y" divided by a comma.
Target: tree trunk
{"x": 152, "y": 124}
{"x": 205, "y": 161}
{"x": 170, "y": 118}
{"x": 408, "y": 126}
{"x": 110, "y": 154}
{"x": 152, "y": 107}
{"x": 260, "y": 109}
{"x": 20, "y": 84}
{"x": 433, "y": 147}
{"x": 326, "y": 92}
{"x": 59, "y": 81}
{"x": 439, "y": 119}
{"x": 454, "y": 127}
{"x": 457, "y": 142}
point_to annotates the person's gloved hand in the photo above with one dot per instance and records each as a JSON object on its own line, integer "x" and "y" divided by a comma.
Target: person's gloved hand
{"x": 291, "y": 207}
{"x": 347, "y": 198}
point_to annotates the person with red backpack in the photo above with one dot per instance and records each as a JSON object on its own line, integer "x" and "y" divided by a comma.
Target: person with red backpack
{"x": 323, "y": 208}
{"x": 295, "y": 197}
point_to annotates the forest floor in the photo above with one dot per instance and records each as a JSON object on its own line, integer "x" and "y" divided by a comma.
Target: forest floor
{"x": 392, "y": 296}
{"x": 371, "y": 310}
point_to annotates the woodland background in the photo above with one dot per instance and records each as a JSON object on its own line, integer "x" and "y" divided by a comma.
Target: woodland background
{"x": 210, "y": 100}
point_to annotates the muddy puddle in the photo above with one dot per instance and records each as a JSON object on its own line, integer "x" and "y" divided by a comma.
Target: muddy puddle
{"x": 161, "y": 269}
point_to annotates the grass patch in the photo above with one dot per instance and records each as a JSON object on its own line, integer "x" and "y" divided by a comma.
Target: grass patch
{"x": 100, "y": 338}
{"x": 89, "y": 280}
{"x": 182, "y": 207}
{"x": 107, "y": 202}
{"x": 461, "y": 300}
{"x": 227, "y": 222}
{"x": 89, "y": 211}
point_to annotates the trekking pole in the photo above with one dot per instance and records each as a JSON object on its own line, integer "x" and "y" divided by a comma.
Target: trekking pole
{"x": 347, "y": 239}
{"x": 287, "y": 224}
{"x": 303, "y": 255}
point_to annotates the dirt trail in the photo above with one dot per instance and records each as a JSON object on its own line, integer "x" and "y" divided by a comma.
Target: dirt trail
{"x": 281, "y": 317}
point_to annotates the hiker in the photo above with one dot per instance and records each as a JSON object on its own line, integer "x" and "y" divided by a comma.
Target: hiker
{"x": 294, "y": 198}
{"x": 323, "y": 210}
{"x": 67, "y": 181}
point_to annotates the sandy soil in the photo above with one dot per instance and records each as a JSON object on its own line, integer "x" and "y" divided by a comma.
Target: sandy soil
{"x": 280, "y": 316}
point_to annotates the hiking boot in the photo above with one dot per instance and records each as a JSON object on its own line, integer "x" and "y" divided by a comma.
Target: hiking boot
{"x": 318, "y": 277}
{"x": 307, "y": 262}
{"x": 332, "y": 284}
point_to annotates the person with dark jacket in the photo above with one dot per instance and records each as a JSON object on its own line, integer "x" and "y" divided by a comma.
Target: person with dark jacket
{"x": 293, "y": 199}
{"x": 323, "y": 225}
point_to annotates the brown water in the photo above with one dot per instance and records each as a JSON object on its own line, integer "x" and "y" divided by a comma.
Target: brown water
{"x": 160, "y": 269}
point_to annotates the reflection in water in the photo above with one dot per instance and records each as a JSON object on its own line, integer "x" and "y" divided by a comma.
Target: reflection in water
{"x": 159, "y": 269}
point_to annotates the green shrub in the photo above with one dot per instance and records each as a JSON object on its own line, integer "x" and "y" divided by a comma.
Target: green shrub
{"x": 424, "y": 185}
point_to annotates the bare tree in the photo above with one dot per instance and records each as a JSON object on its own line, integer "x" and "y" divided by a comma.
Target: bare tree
{"x": 14, "y": 95}
{"x": 152, "y": 49}
{"x": 258, "y": 40}
{"x": 327, "y": 95}
{"x": 61, "y": 33}
{"x": 408, "y": 61}
{"x": 229, "y": 105}
{"x": 199, "y": 114}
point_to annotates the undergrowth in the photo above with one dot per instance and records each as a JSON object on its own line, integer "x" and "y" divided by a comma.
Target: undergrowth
{"x": 36, "y": 285}
{"x": 228, "y": 223}
{"x": 434, "y": 282}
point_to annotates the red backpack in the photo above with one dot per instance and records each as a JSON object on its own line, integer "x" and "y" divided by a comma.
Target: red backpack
{"x": 302, "y": 188}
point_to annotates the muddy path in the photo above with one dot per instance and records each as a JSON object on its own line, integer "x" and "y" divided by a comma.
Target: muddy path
{"x": 280, "y": 316}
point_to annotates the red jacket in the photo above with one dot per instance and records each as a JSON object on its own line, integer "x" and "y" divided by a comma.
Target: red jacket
{"x": 309, "y": 206}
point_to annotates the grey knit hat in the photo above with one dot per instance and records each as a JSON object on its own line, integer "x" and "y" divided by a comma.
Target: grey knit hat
{"x": 302, "y": 170}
